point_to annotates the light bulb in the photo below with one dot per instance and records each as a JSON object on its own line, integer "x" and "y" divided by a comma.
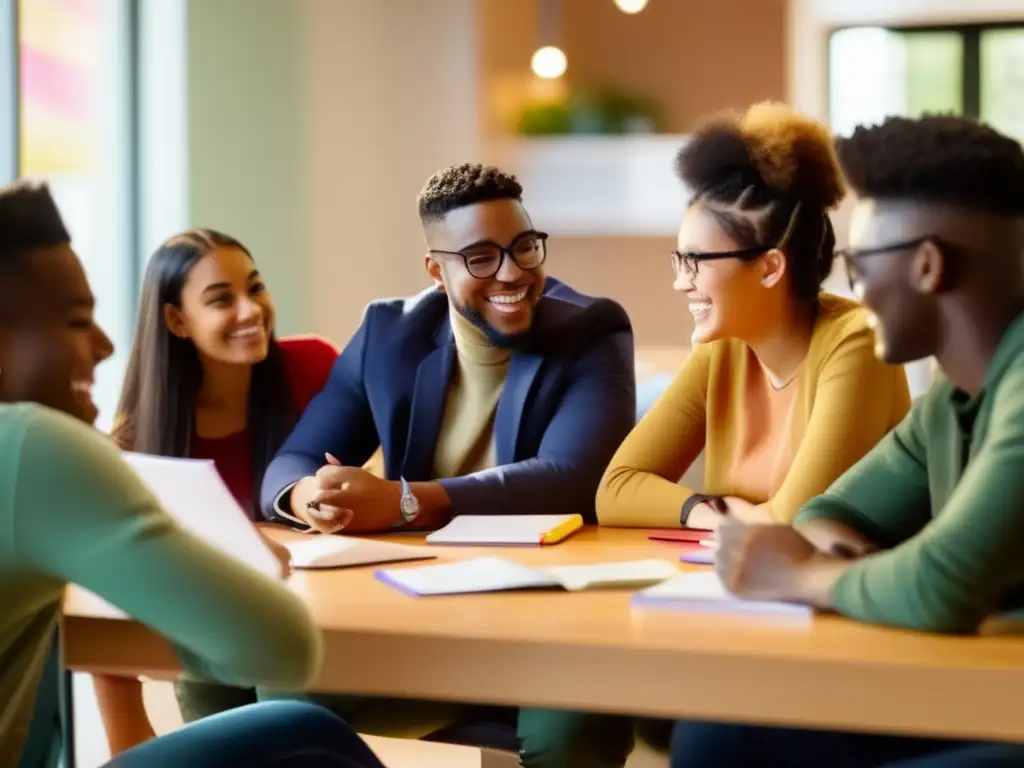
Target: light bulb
{"x": 548, "y": 62}
{"x": 631, "y": 6}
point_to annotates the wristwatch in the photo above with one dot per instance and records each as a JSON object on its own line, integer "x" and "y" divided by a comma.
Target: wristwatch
{"x": 409, "y": 505}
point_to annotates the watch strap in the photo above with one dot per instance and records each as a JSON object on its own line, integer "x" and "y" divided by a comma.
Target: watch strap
{"x": 690, "y": 503}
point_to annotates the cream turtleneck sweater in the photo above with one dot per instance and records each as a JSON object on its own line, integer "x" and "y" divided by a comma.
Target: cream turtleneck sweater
{"x": 465, "y": 441}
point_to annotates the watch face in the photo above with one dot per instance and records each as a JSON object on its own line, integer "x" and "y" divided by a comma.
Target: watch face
{"x": 410, "y": 507}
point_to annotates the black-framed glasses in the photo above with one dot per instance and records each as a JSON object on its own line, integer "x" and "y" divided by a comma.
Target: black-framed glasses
{"x": 850, "y": 256}
{"x": 689, "y": 261}
{"x": 483, "y": 260}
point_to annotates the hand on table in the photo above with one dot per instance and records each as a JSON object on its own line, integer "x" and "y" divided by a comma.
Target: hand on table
{"x": 353, "y": 499}
{"x": 708, "y": 515}
{"x": 741, "y": 509}
{"x": 774, "y": 562}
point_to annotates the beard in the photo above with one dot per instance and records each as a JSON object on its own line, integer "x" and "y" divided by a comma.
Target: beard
{"x": 494, "y": 336}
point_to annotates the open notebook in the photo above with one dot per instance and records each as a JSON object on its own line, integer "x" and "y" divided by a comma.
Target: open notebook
{"x": 496, "y": 574}
{"x": 527, "y": 530}
{"x": 347, "y": 552}
{"x": 704, "y": 591}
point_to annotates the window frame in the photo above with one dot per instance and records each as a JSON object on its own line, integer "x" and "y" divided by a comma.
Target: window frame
{"x": 970, "y": 34}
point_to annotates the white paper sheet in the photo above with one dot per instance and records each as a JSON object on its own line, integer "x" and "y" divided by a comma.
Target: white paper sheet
{"x": 496, "y": 574}
{"x": 347, "y": 552}
{"x": 705, "y": 592}
{"x": 193, "y": 493}
{"x": 499, "y": 529}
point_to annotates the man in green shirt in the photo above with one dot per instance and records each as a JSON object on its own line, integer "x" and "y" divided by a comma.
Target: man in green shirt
{"x": 72, "y": 512}
{"x": 927, "y": 531}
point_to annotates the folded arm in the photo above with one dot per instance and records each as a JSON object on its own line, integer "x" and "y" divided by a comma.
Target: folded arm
{"x": 641, "y": 486}
{"x": 954, "y": 572}
{"x": 99, "y": 527}
{"x": 596, "y": 412}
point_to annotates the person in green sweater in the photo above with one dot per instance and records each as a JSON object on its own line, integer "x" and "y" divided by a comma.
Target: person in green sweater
{"x": 71, "y": 511}
{"x": 931, "y": 520}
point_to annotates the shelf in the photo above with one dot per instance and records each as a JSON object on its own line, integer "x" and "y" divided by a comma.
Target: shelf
{"x": 598, "y": 185}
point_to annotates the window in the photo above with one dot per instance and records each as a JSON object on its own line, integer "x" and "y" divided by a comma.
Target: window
{"x": 971, "y": 70}
{"x": 76, "y": 132}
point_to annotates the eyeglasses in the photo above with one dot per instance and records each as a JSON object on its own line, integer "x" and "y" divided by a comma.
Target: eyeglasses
{"x": 850, "y": 256}
{"x": 483, "y": 260}
{"x": 688, "y": 261}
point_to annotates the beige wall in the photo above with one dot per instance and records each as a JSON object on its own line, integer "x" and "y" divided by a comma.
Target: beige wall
{"x": 694, "y": 56}
{"x": 247, "y": 123}
{"x": 636, "y": 272}
{"x": 313, "y": 125}
{"x": 389, "y": 104}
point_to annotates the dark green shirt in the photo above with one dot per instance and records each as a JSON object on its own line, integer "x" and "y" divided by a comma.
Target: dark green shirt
{"x": 71, "y": 511}
{"x": 944, "y": 494}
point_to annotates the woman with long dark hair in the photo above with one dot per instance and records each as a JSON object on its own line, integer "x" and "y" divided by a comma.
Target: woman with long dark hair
{"x": 207, "y": 378}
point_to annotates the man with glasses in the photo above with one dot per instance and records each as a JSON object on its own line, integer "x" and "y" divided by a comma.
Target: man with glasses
{"x": 932, "y": 519}
{"x": 496, "y": 391}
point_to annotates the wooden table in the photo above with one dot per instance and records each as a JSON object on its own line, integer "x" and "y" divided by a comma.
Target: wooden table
{"x": 592, "y": 651}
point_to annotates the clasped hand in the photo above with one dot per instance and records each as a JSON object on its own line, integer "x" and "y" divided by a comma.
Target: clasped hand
{"x": 352, "y": 499}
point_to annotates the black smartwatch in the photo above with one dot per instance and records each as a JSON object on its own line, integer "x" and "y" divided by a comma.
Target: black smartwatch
{"x": 690, "y": 503}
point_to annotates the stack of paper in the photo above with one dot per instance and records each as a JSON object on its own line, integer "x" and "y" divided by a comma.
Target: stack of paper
{"x": 194, "y": 494}
{"x": 496, "y": 574}
{"x": 705, "y": 592}
{"x": 486, "y": 530}
{"x": 346, "y": 552}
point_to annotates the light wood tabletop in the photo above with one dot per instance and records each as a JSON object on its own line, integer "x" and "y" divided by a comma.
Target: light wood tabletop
{"x": 593, "y": 651}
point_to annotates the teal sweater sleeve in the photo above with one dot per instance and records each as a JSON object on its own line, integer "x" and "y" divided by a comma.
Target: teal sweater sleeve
{"x": 951, "y": 575}
{"x": 83, "y": 516}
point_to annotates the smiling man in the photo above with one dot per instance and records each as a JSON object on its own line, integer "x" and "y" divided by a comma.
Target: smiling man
{"x": 495, "y": 391}
{"x": 931, "y": 522}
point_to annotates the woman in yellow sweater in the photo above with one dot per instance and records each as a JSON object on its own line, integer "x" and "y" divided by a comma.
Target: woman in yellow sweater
{"x": 783, "y": 391}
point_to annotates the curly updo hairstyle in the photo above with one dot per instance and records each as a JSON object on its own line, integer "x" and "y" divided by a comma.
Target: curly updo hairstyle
{"x": 770, "y": 178}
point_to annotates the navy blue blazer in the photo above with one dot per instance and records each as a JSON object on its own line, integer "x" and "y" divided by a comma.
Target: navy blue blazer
{"x": 569, "y": 399}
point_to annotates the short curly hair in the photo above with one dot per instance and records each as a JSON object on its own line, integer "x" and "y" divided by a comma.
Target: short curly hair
{"x": 460, "y": 185}
{"x": 936, "y": 159}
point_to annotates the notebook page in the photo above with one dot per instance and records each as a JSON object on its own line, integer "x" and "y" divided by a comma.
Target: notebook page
{"x": 634, "y": 573}
{"x": 192, "y": 492}
{"x": 346, "y": 552}
{"x": 499, "y": 529}
{"x": 704, "y": 591}
{"x": 478, "y": 574}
